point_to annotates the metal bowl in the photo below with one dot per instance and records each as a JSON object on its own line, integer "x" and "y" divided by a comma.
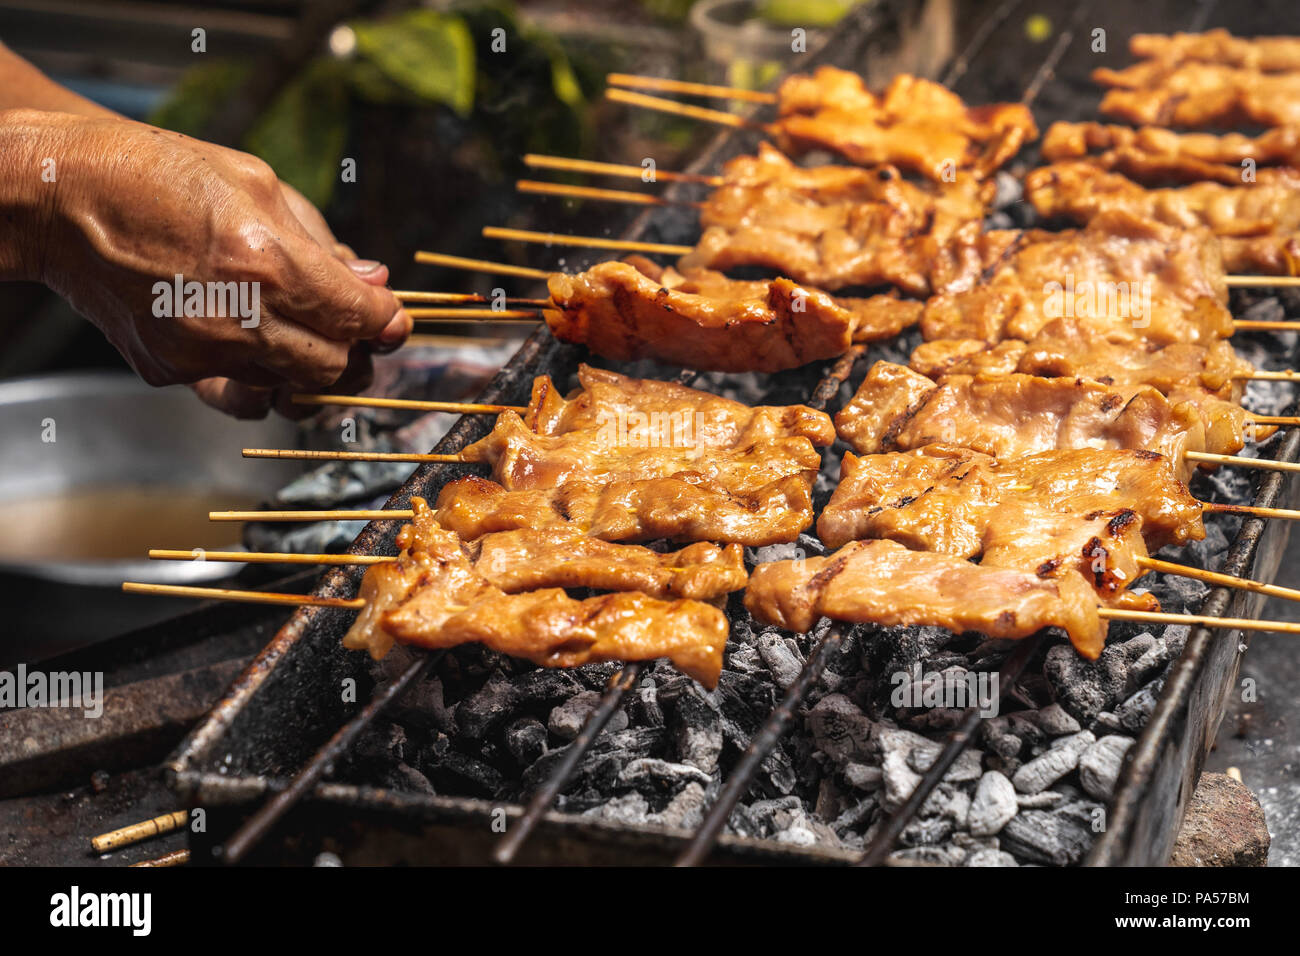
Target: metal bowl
{"x": 75, "y": 433}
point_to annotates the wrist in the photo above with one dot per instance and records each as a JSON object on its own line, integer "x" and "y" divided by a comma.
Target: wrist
{"x": 30, "y": 192}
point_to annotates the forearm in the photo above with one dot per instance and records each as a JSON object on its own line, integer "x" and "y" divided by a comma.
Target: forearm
{"x": 29, "y": 189}
{"x": 22, "y": 86}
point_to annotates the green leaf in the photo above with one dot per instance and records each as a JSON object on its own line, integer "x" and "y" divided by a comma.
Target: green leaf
{"x": 305, "y": 130}
{"x": 198, "y": 95}
{"x": 805, "y": 13}
{"x": 423, "y": 52}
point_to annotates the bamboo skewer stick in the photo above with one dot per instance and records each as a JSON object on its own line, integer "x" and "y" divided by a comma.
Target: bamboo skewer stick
{"x": 1287, "y": 375}
{"x": 1251, "y": 511}
{"x": 1283, "y": 420}
{"x": 242, "y": 597}
{"x": 306, "y": 454}
{"x": 367, "y": 401}
{"x": 1257, "y": 282}
{"x": 395, "y": 514}
{"x": 680, "y": 109}
{"x": 268, "y": 597}
{"x": 603, "y": 195}
{"x": 588, "y": 242}
{"x": 620, "y": 170}
{"x": 125, "y": 836}
{"x": 637, "y": 82}
{"x": 467, "y": 297}
{"x": 1235, "y": 623}
{"x": 480, "y": 265}
{"x": 1216, "y": 578}
{"x": 530, "y": 316}
{"x": 1255, "y": 325}
{"x": 268, "y": 557}
{"x": 1266, "y": 463}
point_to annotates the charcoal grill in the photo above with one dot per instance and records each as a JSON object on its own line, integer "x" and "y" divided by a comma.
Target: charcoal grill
{"x": 288, "y": 700}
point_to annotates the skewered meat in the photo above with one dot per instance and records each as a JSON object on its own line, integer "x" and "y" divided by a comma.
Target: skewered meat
{"x": 563, "y": 557}
{"x": 434, "y": 596}
{"x": 621, "y": 314}
{"x": 522, "y": 459}
{"x": 1086, "y": 518}
{"x": 872, "y": 318}
{"x": 1199, "y": 95}
{"x": 1067, "y": 347}
{"x": 833, "y": 226}
{"x": 617, "y": 428}
{"x": 559, "y": 555}
{"x": 1129, "y": 278}
{"x": 1257, "y": 222}
{"x": 882, "y": 582}
{"x": 938, "y": 497}
{"x": 1007, "y": 416}
{"x": 915, "y": 124}
{"x": 1154, "y": 155}
{"x": 647, "y": 405}
{"x": 1268, "y": 54}
{"x": 684, "y": 508}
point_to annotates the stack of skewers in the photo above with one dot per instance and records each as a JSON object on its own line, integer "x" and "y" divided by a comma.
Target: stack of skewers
{"x": 1019, "y": 474}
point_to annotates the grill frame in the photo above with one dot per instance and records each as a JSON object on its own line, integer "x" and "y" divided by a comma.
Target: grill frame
{"x": 370, "y": 824}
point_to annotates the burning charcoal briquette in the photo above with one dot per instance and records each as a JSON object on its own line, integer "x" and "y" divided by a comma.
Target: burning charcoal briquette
{"x": 695, "y": 724}
{"x": 651, "y": 775}
{"x": 840, "y": 729}
{"x": 1054, "y": 763}
{"x": 487, "y": 708}
{"x": 1043, "y": 837}
{"x": 630, "y": 808}
{"x": 781, "y": 655}
{"x": 946, "y": 855}
{"x": 990, "y": 858}
{"x": 994, "y": 804}
{"x": 684, "y": 811}
{"x": 1099, "y": 766}
{"x": 526, "y": 740}
{"x": 1133, "y": 713}
{"x": 566, "y": 720}
{"x": 1084, "y": 687}
{"x": 1053, "y": 720}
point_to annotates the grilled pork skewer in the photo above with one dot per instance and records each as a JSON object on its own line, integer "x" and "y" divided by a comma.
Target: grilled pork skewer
{"x": 435, "y": 597}
{"x": 1153, "y": 155}
{"x": 1266, "y": 54}
{"x": 1257, "y": 223}
{"x": 914, "y": 124}
{"x": 1199, "y": 95}
{"x": 1008, "y": 416}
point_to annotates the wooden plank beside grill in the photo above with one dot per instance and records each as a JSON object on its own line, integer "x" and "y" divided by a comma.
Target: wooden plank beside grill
{"x": 286, "y": 702}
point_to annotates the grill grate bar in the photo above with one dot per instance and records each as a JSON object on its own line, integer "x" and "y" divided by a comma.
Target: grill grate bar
{"x": 958, "y": 741}
{"x": 544, "y": 799}
{"x": 760, "y": 746}
{"x": 252, "y": 830}
{"x": 982, "y": 36}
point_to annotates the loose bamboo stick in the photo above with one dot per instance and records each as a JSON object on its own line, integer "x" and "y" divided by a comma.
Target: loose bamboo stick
{"x": 587, "y": 242}
{"x": 125, "y": 836}
{"x": 243, "y": 597}
{"x": 368, "y": 401}
{"x": 620, "y": 170}
{"x": 174, "y": 858}
{"x": 1287, "y": 375}
{"x": 636, "y": 82}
